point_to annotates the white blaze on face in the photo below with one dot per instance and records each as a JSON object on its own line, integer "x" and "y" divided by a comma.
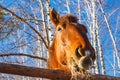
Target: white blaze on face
{"x": 87, "y": 53}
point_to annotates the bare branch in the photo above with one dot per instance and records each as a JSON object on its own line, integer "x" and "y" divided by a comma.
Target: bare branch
{"x": 23, "y": 20}
{"x": 22, "y": 54}
{"x": 113, "y": 12}
{"x": 111, "y": 35}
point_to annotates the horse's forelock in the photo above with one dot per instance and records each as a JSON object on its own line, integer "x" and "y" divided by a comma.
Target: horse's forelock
{"x": 72, "y": 19}
{"x": 69, "y": 18}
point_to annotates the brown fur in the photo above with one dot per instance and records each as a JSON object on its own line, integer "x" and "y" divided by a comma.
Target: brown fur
{"x": 70, "y": 36}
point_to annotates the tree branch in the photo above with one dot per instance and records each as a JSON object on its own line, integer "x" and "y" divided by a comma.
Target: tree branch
{"x": 22, "y": 54}
{"x": 23, "y": 20}
{"x": 111, "y": 34}
{"x": 46, "y": 73}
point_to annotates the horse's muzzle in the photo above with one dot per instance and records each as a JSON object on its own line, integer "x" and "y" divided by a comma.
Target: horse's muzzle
{"x": 85, "y": 63}
{"x": 85, "y": 60}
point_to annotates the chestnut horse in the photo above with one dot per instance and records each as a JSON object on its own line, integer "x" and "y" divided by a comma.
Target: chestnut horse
{"x": 71, "y": 49}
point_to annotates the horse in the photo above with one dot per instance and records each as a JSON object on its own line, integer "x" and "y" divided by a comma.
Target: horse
{"x": 71, "y": 49}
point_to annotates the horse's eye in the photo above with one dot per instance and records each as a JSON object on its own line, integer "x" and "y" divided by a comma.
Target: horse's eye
{"x": 59, "y": 28}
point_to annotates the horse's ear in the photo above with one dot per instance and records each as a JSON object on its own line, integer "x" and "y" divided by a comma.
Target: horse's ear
{"x": 54, "y": 17}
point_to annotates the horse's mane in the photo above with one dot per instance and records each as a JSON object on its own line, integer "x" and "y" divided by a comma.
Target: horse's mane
{"x": 68, "y": 19}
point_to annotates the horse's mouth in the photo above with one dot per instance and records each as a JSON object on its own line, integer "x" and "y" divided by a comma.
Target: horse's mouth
{"x": 84, "y": 64}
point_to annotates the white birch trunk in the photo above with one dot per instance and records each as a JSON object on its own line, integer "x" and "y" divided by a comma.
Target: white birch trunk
{"x": 46, "y": 32}
{"x": 48, "y": 21}
{"x": 100, "y": 51}
{"x": 67, "y": 5}
{"x": 89, "y": 18}
{"x": 25, "y": 50}
{"x": 79, "y": 12}
{"x": 95, "y": 35}
{"x": 38, "y": 50}
{"x": 111, "y": 34}
{"x": 21, "y": 59}
{"x": 50, "y": 29}
{"x": 44, "y": 23}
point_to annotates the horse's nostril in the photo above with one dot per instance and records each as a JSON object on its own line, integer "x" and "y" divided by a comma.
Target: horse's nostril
{"x": 77, "y": 52}
{"x": 80, "y": 46}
